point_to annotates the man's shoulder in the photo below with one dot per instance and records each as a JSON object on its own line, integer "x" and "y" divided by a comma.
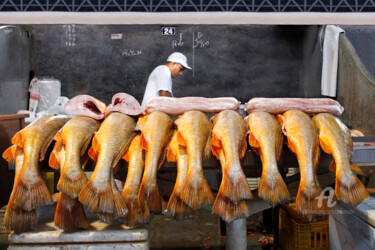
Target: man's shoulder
{"x": 161, "y": 69}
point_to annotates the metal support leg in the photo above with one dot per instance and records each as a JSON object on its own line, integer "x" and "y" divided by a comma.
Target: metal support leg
{"x": 236, "y": 235}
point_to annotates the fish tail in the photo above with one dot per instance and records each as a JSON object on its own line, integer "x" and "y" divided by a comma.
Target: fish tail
{"x": 311, "y": 203}
{"x": 235, "y": 190}
{"x": 121, "y": 209}
{"x": 97, "y": 201}
{"x": 229, "y": 211}
{"x": 106, "y": 217}
{"x": 72, "y": 184}
{"x": 178, "y": 208}
{"x": 70, "y": 214}
{"x": 353, "y": 193}
{"x": 196, "y": 193}
{"x": 273, "y": 190}
{"x": 144, "y": 215}
{"x": 19, "y": 220}
{"x": 151, "y": 196}
{"x": 30, "y": 195}
{"x": 134, "y": 212}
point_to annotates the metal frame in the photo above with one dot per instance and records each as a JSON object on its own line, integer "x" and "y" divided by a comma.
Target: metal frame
{"x": 327, "y": 6}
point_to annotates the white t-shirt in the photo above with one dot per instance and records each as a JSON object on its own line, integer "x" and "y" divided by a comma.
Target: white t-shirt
{"x": 159, "y": 79}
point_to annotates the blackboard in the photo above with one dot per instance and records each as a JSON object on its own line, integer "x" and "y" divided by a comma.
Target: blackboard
{"x": 242, "y": 61}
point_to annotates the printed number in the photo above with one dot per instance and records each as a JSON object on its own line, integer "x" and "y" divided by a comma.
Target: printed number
{"x": 167, "y": 31}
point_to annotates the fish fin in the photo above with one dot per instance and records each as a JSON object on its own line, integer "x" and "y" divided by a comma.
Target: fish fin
{"x": 123, "y": 150}
{"x": 134, "y": 215}
{"x": 72, "y": 182}
{"x": 144, "y": 142}
{"x": 311, "y": 203}
{"x": 229, "y": 211}
{"x": 29, "y": 195}
{"x": 325, "y": 147}
{"x": 273, "y": 190}
{"x": 86, "y": 146}
{"x": 177, "y": 208}
{"x": 215, "y": 146}
{"x": 171, "y": 157}
{"x": 9, "y": 154}
{"x": 97, "y": 201}
{"x": 316, "y": 160}
{"x": 180, "y": 139}
{"x": 279, "y": 146}
{"x": 150, "y": 196}
{"x": 126, "y": 156}
{"x": 253, "y": 141}
{"x": 353, "y": 193}
{"x": 332, "y": 166}
{"x": 357, "y": 169}
{"x": 235, "y": 190}
{"x": 207, "y": 149}
{"x": 141, "y": 121}
{"x": 70, "y": 214}
{"x": 17, "y": 139}
{"x": 106, "y": 217}
{"x": 291, "y": 146}
{"x": 144, "y": 217}
{"x": 19, "y": 220}
{"x": 196, "y": 193}
{"x": 59, "y": 137}
{"x": 243, "y": 149}
{"x": 44, "y": 149}
{"x": 53, "y": 160}
{"x": 95, "y": 149}
{"x": 121, "y": 209}
{"x": 162, "y": 157}
{"x": 280, "y": 119}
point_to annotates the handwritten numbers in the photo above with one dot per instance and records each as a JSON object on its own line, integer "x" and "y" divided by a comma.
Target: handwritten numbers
{"x": 177, "y": 43}
{"x": 198, "y": 41}
{"x": 70, "y": 35}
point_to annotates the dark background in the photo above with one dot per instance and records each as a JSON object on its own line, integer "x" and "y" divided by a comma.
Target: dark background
{"x": 242, "y": 61}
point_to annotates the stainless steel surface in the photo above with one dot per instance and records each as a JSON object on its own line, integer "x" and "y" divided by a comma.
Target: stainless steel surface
{"x": 14, "y": 69}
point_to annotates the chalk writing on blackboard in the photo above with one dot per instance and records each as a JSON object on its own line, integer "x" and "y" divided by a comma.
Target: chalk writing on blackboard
{"x": 131, "y": 52}
{"x": 70, "y": 35}
{"x": 178, "y": 43}
{"x": 198, "y": 42}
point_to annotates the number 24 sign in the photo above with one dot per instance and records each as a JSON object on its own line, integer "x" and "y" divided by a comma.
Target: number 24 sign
{"x": 167, "y": 31}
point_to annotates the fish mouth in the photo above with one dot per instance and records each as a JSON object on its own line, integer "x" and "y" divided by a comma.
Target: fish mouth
{"x": 92, "y": 107}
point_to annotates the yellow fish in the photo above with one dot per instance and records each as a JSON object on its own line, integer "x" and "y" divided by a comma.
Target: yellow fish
{"x": 30, "y": 191}
{"x": 194, "y": 133}
{"x": 266, "y": 139}
{"x": 108, "y": 146}
{"x": 177, "y": 153}
{"x": 135, "y": 156}
{"x": 229, "y": 146}
{"x": 156, "y": 133}
{"x": 303, "y": 141}
{"x": 76, "y": 136}
{"x": 69, "y": 214}
{"x": 16, "y": 218}
{"x": 335, "y": 139}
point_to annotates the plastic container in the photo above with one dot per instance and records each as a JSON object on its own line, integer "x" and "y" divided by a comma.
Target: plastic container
{"x": 296, "y": 232}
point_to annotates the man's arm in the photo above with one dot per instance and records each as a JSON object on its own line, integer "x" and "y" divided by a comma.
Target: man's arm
{"x": 164, "y": 93}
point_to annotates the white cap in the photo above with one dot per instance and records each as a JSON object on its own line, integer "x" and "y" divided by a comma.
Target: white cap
{"x": 178, "y": 58}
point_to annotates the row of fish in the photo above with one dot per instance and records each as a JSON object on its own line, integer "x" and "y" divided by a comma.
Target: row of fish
{"x": 193, "y": 138}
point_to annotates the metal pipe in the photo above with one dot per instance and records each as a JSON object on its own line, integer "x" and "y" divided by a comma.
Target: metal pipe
{"x": 236, "y": 234}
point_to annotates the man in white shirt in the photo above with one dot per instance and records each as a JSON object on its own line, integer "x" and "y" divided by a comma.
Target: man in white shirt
{"x": 160, "y": 80}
